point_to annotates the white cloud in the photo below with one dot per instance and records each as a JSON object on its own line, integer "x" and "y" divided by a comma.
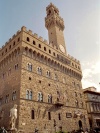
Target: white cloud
{"x": 91, "y": 74}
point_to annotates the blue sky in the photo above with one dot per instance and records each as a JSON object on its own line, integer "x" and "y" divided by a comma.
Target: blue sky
{"x": 82, "y": 29}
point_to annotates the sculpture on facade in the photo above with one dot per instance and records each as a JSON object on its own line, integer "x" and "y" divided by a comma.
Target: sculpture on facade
{"x": 13, "y": 116}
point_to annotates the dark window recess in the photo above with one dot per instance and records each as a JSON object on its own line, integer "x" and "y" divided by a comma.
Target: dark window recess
{"x": 59, "y": 116}
{"x": 6, "y": 50}
{"x": 39, "y": 45}
{"x": 32, "y": 114}
{"x": 28, "y": 39}
{"x": 14, "y": 43}
{"x": 29, "y": 78}
{"x": 48, "y": 84}
{"x": 50, "y": 51}
{"x": 49, "y": 116}
{"x": 53, "y": 53}
{"x": 10, "y": 47}
{"x": 18, "y": 39}
{"x": 44, "y": 48}
{"x": 39, "y": 81}
{"x": 34, "y": 42}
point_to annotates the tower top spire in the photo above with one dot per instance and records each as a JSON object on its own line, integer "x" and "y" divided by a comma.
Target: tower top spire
{"x": 53, "y": 6}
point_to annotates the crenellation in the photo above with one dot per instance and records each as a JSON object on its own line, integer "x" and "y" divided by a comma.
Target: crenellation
{"x": 6, "y": 43}
{"x": 36, "y": 35}
{"x": 17, "y": 32}
{"x": 10, "y": 39}
{"x": 13, "y": 36}
{"x": 30, "y": 32}
{"x": 23, "y": 28}
{"x": 45, "y": 41}
{"x": 3, "y": 46}
{"x": 41, "y": 38}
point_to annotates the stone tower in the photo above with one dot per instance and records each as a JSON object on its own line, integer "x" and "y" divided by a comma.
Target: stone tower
{"x": 55, "y": 25}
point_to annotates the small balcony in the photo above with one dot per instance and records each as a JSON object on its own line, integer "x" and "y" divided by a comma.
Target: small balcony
{"x": 58, "y": 103}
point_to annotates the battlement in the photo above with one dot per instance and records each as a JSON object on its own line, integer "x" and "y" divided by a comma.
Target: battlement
{"x": 72, "y": 58}
{"x": 13, "y": 37}
{"x": 39, "y": 38}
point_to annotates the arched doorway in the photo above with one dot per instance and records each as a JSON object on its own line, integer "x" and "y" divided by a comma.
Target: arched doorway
{"x": 80, "y": 124}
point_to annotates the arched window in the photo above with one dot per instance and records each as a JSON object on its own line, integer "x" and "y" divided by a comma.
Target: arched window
{"x": 49, "y": 115}
{"x": 64, "y": 80}
{"x": 40, "y": 97}
{"x": 59, "y": 116}
{"x": 29, "y": 67}
{"x": 48, "y": 74}
{"x": 75, "y": 94}
{"x": 16, "y": 66}
{"x": 44, "y": 48}
{"x": 7, "y": 98}
{"x": 14, "y": 95}
{"x": 76, "y": 103}
{"x": 39, "y": 45}
{"x": 49, "y": 98}
{"x": 6, "y": 50}
{"x": 10, "y": 47}
{"x": 18, "y": 39}
{"x": 32, "y": 114}
{"x": 39, "y": 70}
{"x": 55, "y": 76}
{"x": 30, "y": 95}
{"x": 81, "y": 103}
{"x": 13, "y": 43}
{"x": 49, "y": 51}
{"x": 27, "y": 94}
{"x": 28, "y": 39}
{"x": 34, "y": 42}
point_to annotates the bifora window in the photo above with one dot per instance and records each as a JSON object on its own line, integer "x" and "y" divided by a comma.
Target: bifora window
{"x": 39, "y": 70}
{"x": 29, "y": 94}
{"x": 29, "y": 67}
{"x": 48, "y": 74}
{"x": 49, "y": 98}
{"x": 16, "y": 66}
{"x": 14, "y": 95}
{"x": 40, "y": 97}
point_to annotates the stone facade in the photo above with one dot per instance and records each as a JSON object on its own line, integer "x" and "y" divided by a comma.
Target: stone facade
{"x": 92, "y": 99}
{"x": 42, "y": 79}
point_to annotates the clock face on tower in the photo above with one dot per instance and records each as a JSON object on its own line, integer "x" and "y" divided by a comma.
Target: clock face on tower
{"x": 62, "y": 48}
